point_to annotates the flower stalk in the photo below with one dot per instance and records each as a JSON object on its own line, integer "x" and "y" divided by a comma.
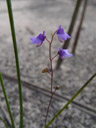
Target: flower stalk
{"x": 51, "y": 74}
{"x": 63, "y": 53}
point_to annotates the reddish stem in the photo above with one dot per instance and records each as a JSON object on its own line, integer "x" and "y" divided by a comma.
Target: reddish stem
{"x": 51, "y": 74}
{"x": 51, "y": 97}
{"x": 55, "y": 56}
{"x": 53, "y": 36}
{"x": 48, "y": 41}
{"x": 51, "y": 66}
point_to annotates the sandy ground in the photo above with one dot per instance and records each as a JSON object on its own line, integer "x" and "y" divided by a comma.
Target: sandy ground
{"x": 31, "y": 18}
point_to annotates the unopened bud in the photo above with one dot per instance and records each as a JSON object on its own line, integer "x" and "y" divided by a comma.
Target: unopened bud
{"x": 57, "y": 87}
{"x": 45, "y": 70}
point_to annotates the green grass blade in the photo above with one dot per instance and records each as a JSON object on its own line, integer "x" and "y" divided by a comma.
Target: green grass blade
{"x": 9, "y": 6}
{"x": 66, "y": 105}
{"x": 4, "y": 122}
{"x": 6, "y": 100}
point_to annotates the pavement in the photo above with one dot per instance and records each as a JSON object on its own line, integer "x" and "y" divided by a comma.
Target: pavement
{"x": 31, "y": 18}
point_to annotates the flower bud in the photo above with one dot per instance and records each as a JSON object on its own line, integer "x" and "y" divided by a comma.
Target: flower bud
{"x": 45, "y": 70}
{"x": 57, "y": 87}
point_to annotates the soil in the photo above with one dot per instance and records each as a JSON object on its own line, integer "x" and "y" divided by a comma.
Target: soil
{"x": 31, "y": 18}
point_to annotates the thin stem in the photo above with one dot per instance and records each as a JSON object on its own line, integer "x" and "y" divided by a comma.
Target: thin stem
{"x": 55, "y": 56}
{"x": 51, "y": 66}
{"x": 6, "y": 100}
{"x": 51, "y": 60}
{"x": 9, "y": 6}
{"x": 4, "y": 122}
{"x": 66, "y": 105}
{"x": 72, "y": 23}
{"x": 51, "y": 74}
{"x": 51, "y": 97}
{"x": 53, "y": 37}
{"x": 79, "y": 27}
{"x": 48, "y": 40}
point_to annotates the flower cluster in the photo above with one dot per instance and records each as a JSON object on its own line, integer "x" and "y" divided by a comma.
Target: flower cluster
{"x": 63, "y": 53}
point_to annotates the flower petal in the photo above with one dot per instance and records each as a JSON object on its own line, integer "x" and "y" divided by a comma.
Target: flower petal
{"x": 61, "y": 34}
{"x": 67, "y": 54}
{"x": 35, "y": 40}
{"x": 38, "y": 40}
{"x": 63, "y": 53}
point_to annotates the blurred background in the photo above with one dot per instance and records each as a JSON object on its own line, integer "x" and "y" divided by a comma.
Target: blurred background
{"x": 31, "y": 17}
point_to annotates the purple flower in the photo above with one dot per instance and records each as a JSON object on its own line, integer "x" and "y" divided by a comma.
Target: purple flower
{"x": 63, "y": 53}
{"x": 38, "y": 40}
{"x": 61, "y": 34}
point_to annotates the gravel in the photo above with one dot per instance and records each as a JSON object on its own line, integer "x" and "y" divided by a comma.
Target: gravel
{"x": 35, "y": 105}
{"x": 31, "y": 18}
